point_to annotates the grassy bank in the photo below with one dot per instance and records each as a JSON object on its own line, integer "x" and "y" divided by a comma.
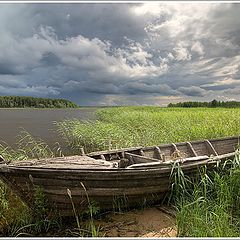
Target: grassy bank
{"x": 16, "y": 219}
{"x": 144, "y": 126}
{"x": 209, "y": 207}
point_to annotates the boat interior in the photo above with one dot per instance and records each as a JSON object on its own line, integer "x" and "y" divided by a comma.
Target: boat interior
{"x": 139, "y": 157}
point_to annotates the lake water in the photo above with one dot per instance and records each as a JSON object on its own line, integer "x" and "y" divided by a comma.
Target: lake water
{"x": 38, "y": 122}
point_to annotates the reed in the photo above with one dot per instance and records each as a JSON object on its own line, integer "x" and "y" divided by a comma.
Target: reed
{"x": 146, "y": 126}
{"x": 16, "y": 219}
{"x": 209, "y": 206}
{"x": 83, "y": 230}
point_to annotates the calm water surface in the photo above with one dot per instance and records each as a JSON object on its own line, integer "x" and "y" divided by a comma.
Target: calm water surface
{"x": 38, "y": 122}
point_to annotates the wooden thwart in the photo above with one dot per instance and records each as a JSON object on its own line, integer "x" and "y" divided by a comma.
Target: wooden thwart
{"x": 140, "y": 159}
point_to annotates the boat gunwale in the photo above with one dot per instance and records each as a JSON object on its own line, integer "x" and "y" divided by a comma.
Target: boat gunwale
{"x": 164, "y": 167}
{"x": 122, "y": 171}
{"x": 161, "y": 146}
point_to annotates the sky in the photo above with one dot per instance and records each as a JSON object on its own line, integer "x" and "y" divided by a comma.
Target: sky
{"x": 121, "y": 54}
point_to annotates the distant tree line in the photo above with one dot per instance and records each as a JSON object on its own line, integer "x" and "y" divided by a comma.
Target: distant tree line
{"x": 213, "y": 104}
{"x": 32, "y": 102}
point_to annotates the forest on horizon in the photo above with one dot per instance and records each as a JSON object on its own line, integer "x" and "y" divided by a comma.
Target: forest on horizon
{"x": 213, "y": 104}
{"x": 33, "y": 102}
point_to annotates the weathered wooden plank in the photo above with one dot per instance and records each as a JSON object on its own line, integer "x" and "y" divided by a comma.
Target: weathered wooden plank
{"x": 87, "y": 175}
{"x": 185, "y": 163}
{"x": 139, "y": 159}
{"x": 103, "y": 201}
{"x": 76, "y": 162}
{"x": 106, "y": 191}
{"x": 222, "y": 147}
{"x": 110, "y": 204}
{"x": 114, "y": 151}
{"x": 71, "y": 166}
{"x": 155, "y": 179}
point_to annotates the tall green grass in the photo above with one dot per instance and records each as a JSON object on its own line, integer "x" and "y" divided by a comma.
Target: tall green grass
{"x": 15, "y": 217}
{"x": 206, "y": 207}
{"x": 209, "y": 205}
{"x": 143, "y": 126}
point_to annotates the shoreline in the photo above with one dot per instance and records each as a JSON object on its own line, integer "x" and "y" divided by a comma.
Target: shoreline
{"x": 29, "y": 108}
{"x": 84, "y": 107}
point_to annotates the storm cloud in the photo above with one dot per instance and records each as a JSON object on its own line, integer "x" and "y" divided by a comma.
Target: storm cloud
{"x": 121, "y": 54}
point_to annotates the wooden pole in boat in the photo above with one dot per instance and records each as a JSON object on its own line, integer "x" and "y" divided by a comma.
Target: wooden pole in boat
{"x": 82, "y": 151}
{"x": 160, "y": 154}
{"x": 211, "y": 148}
{"x": 192, "y": 149}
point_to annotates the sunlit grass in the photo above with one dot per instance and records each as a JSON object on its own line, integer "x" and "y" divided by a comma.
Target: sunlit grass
{"x": 207, "y": 208}
{"x": 145, "y": 126}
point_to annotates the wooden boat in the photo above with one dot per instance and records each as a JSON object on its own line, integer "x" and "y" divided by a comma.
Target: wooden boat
{"x": 112, "y": 178}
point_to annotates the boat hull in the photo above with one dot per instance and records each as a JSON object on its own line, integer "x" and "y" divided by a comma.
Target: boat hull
{"x": 109, "y": 190}
{"x": 113, "y": 188}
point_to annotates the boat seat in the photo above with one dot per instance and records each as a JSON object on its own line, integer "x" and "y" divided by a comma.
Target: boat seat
{"x": 167, "y": 163}
{"x": 132, "y": 159}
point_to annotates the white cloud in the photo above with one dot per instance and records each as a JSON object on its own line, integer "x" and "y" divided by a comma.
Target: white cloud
{"x": 198, "y": 48}
{"x": 182, "y": 53}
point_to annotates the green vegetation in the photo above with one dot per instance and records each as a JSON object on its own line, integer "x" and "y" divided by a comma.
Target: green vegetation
{"x": 91, "y": 211}
{"x": 31, "y": 102}
{"x": 145, "y": 126}
{"x": 207, "y": 205}
{"x": 213, "y": 104}
{"x": 16, "y": 219}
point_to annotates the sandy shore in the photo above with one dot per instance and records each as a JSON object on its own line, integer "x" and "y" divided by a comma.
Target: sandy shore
{"x": 151, "y": 222}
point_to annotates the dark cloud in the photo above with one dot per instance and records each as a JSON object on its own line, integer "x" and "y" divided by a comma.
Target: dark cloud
{"x": 142, "y": 88}
{"x": 9, "y": 69}
{"x": 98, "y": 54}
{"x": 50, "y": 59}
{"x": 192, "y": 91}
